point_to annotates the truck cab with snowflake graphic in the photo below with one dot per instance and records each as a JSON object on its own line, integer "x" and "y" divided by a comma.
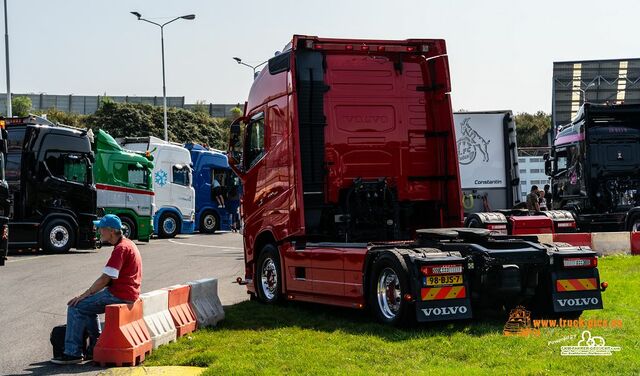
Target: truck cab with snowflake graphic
{"x": 172, "y": 181}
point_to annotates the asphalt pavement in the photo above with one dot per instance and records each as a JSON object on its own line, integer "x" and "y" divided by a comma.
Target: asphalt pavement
{"x": 35, "y": 287}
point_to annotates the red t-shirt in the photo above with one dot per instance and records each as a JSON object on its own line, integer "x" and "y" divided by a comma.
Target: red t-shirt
{"x": 125, "y": 269}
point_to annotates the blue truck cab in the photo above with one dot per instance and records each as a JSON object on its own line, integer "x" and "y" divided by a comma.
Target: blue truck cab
{"x": 208, "y": 165}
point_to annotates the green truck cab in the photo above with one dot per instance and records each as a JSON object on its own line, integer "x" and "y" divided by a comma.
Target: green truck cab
{"x": 124, "y": 185}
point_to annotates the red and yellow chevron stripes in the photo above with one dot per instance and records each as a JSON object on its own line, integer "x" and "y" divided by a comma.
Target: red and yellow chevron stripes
{"x": 447, "y": 292}
{"x": 578, "y": 284}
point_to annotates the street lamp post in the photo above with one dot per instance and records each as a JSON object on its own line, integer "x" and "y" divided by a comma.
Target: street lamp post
{"x": 164, "y": 87}
{"x": 6, "y": 52}
{"x": 584, "y": 91}
{"x": 254, "y": 67}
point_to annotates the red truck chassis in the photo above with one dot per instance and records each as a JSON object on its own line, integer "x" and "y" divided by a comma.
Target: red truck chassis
{"x": 352, "y": 196}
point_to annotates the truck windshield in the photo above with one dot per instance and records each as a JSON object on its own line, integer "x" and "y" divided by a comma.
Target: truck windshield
{"x": 15, "y": 139}
{"x": 13, "y": 167}
{"x": 68, "y": 167}
{"x": 561, "y": 160}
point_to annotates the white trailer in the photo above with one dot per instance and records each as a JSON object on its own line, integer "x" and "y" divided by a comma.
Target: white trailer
{"x": 488, "y": 160}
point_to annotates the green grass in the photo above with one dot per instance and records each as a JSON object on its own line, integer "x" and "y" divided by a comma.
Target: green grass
{"x": 298, "y": 338}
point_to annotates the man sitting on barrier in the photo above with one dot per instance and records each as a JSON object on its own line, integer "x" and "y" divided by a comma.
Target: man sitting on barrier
{"x": 119, "y": 283}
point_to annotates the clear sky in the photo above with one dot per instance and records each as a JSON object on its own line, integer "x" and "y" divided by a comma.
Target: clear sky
{"x": 501, "y": 52}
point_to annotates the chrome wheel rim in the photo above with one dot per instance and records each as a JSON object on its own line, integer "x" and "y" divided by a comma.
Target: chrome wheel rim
{"x": 169, "y": 225}
{"x": 389, "y": 293}
{"x": 269, "y": 280}
{"x": 126, "y": 230}
{"x": 59, "y": 236}
{"x": 209, "y": 221}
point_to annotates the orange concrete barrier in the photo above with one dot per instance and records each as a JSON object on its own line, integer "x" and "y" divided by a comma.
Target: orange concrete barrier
{"x": 125, "y": 340}
{"x": 180, "y": 310}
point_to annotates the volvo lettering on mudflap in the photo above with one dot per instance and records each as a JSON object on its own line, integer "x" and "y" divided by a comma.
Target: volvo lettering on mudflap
{"x": 347, "y": 156}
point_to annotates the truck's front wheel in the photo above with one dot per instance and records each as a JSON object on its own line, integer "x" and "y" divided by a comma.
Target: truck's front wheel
{"x": 128, "y": 228}
{"x": 209, "y": 222}
{"x": 58, "y": 236}
{"x": 389, "y": 283}
{"x": 268, "y": 281}
{"x": 169, "y": 226}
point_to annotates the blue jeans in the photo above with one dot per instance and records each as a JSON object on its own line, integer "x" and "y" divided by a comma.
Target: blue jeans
{"x": 84, "y": 317}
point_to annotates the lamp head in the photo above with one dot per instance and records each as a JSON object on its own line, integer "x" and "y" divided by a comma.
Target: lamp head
{"x": 137, "y": 14}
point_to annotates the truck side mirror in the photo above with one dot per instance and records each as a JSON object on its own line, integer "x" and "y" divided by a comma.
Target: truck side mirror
{"x": 234, "y": 151}
{"x": 547, "y": 166}
{"x": 234, "y": 134}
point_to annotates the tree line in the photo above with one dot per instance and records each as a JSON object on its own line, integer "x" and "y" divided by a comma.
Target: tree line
{"x": 141, "y": 120}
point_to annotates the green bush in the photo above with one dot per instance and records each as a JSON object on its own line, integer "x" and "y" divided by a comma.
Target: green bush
{"x": 141, "y": 120}
{"x": 21, "y": 106}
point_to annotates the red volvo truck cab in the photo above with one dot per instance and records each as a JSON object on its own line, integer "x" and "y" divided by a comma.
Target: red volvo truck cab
{"x": 348, "y": 160}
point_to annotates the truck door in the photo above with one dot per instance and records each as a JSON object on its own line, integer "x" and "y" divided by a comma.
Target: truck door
{"x": 140, "y": 198}
{"x": 182, "y": 193}
{"x": 253, "y": 161}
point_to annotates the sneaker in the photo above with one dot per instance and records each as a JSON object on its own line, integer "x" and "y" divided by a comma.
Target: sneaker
{"x": 67, "y": 359}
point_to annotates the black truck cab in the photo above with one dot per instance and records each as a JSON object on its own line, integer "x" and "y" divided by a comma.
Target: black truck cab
{"x": 51, "y": 189}
{"x": 595, "y": 167}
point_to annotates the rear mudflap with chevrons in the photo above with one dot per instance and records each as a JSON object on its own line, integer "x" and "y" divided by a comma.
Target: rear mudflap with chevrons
{"x": 576, "y": 290}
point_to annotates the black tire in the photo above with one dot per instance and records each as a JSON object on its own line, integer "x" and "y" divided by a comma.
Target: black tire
{"x": 209, "y": 222}
{"x": 634, "y": 223}
{"x": 390, "y": 271}
{"x": 269, "y": 290}
{"x": 474, "y": 223}
{"x": 58, "y": 236}
{"x": 169, "y": 225}
{"x": 129, "y": 229}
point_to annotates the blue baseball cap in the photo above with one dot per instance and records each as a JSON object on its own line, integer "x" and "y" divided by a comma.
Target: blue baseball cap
{"x": 109, "y": 220}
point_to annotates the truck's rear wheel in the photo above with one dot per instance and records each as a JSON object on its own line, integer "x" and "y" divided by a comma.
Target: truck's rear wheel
{"x": 169, "y": 225}
{"x": 269, "y": 277}
{"x": 58, "y": 236}
{"x": 388, "y": 285}
{"x": 209, "y": 222}
{"x": 128, "y": 228}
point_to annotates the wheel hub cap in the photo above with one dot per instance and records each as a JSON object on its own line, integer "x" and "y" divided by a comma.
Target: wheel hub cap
{"x": 389, "y": 293}
{"x": 59, "y": 236}
{"x": 269, "y": 278}
{"x": 169, "y": 225}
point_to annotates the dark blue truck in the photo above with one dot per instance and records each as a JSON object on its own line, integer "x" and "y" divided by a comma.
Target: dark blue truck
{"x": 208, "y": 165}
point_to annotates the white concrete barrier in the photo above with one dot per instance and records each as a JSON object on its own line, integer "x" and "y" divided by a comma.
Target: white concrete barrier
{"x": 155, "y": 310}
{"x": 205, "y": 302}
{"x": 545, "y": 238}
{"x": 609, "y": 243}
